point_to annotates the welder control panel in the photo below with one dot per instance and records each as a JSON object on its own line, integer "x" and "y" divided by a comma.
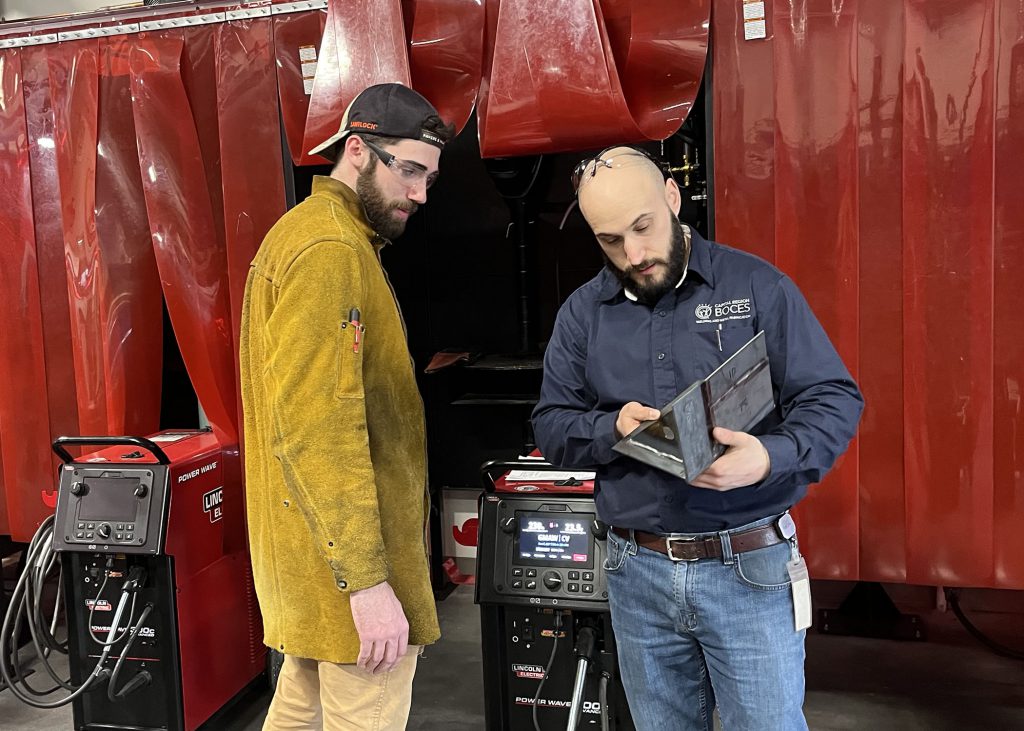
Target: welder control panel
{"x": 111, "y": 508}
{"x": 546, "y": 551}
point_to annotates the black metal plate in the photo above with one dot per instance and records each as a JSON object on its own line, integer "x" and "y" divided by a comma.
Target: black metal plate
{"x": 737, "y": 395}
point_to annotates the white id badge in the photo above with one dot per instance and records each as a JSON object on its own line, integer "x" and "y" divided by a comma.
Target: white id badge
{"x": 801, "y": 583}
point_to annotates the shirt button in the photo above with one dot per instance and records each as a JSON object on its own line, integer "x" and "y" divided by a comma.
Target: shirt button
{"x": 342, "y": 584}
{"x": 662, "y": 313}
{"x": 661, "y": 356}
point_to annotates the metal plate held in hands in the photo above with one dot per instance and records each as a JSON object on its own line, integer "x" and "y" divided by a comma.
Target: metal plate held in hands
{"x": 736, "y": 395}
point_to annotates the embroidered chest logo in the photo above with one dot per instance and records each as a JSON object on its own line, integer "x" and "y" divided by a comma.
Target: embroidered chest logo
{"x": 738, "y": 309}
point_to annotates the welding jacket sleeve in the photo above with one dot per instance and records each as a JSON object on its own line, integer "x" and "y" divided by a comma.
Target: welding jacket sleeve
{"x": 571, "y": 428}
{"x": 318, "y": 411}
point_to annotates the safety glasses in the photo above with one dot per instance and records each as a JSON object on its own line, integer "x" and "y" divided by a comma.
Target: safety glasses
{"x": 410, "y": 173}
{"x": 587, "y": 169}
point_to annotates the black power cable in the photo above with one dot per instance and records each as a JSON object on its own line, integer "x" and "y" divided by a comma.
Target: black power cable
{"x": 142, "y": 677}
{"x": 27, "y": 606}
{"x": 602, "y": 697}
{"x": 953, "y": 598}
{"x": 39, "y": 562}
{"x": 586, "y": 641}
{"x": 547, "y": 670}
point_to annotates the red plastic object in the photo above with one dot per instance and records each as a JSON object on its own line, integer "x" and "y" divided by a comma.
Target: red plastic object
{"x": 466, "y": 534}
{"x": 192, "y": 264}
{"x": 872, "y": 150}
{"x": 293, "y": 35}
{"x": 1008, "y": 300}
{"x": 451, "y": 570}
{"x": 883, "y": 498}
{"x": 49, "y": 230}
{"x": 199, "y": 75}
{"x": 437, "y": 50}
{"x": 133, "y": 336}
{"x": 5, "y": 522}
{"x": 949, "y": 68}
{"x": 446, "y": 39}
{"x": 660, "y": 50}
{"x": 23, "y": 404}
{"x": 74, "y": 89}
{"x": 253, "y": 186}
{"x": 49, "y": 498}
{"x": 363, "y": 44}
{"x": 556, "y": 80}
{"x": 744, "y": 132}
{"x": 541, "y": 487}
{"x": 816, "y": 240}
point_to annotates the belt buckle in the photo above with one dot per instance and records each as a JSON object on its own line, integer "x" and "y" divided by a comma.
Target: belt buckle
{"x": 680, "y": 539}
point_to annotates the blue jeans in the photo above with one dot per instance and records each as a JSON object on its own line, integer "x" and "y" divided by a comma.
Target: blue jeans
{"x": 693, "y": 633}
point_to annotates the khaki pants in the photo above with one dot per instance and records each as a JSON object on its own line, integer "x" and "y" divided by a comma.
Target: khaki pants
{"x": 313, "y": 695}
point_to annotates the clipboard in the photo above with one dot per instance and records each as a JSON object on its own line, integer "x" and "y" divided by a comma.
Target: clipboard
{"x": 736, "y": 395}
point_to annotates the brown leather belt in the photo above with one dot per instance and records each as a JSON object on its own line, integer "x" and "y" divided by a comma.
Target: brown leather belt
{"x": 687, "y": 548}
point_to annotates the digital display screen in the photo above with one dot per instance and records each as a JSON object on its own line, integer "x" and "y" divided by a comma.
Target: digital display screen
{"x": 109, "y": 499}
{"x": 544, "y": 539}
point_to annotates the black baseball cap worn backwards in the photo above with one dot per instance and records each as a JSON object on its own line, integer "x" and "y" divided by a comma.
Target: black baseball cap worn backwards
{"x": 386, "y": 110}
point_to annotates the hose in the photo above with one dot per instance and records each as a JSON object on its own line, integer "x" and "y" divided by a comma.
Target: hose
{"x": 142, "y": 676}
{"x": 27, "y": 607}
{"x": 547, "y": 669}
{"x": 953, "y": 597}
{"x": 602, "y": 698}
{"x": 26, "y": 603}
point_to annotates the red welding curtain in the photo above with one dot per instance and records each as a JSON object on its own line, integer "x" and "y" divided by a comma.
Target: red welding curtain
{"x": 872, "y": 149}
{"x": 127, "y": 183}
{"x": 434, "y": 45}
{"x": 578, "y": 74}
{"x": 23, "y": 395}
{"x": 188, "y": 243}
{"x": 146, "y": 169}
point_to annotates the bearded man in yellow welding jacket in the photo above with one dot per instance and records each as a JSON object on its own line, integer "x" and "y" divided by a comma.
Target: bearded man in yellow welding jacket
{"x": 335, "y": 438}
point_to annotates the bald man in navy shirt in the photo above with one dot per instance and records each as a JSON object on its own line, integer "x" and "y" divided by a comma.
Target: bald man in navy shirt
{"x": 699, "y": 573}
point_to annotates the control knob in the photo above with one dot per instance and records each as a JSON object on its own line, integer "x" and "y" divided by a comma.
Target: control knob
{"x": 104, "y": 531}
{"x": 79, "y": 488}
{"x": 552, "y": 580}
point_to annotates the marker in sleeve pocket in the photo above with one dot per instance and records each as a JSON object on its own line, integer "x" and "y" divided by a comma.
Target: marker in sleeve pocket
{"x": 357, "y": 327}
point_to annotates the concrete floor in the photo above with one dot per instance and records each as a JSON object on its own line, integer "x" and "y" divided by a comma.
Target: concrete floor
{"x": 948, "y": 682}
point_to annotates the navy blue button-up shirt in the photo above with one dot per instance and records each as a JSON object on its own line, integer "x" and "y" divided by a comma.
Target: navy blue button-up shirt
{"x": 607, "y": 350}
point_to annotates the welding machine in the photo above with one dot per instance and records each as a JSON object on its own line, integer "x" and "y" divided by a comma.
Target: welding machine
{"x": 163, "y": 623}
{"x": 548, "y": 648}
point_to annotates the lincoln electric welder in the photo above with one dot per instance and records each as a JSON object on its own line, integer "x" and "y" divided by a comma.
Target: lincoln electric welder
{"x": 548, "y": 649}
{"x": 163, "y": 624}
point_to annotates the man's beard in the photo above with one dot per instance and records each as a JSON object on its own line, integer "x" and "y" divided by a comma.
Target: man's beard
{"x": 380, "y": 211}
{"x": 678, "y": 256}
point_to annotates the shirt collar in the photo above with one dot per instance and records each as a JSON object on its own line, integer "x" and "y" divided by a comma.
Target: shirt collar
{"x": 700, "y": 257}
{"x": 699, "y": 263}
{"x": 339, "y": 193}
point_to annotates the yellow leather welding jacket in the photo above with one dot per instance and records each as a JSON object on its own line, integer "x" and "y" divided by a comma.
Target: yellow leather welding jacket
{"x": 335, "y": 443}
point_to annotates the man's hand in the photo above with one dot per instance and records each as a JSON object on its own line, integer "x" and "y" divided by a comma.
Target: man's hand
{"x": 382, "y": 627}
{"x": 633, "y": 415}
{"x": 744, "y": 462}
